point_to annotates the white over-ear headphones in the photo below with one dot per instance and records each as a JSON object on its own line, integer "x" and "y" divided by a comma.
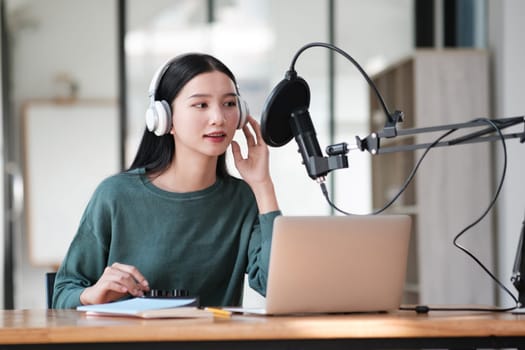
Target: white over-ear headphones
{"x": 159, "y": 115}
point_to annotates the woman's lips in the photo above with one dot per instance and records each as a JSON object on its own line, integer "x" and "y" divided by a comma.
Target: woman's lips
{"x": 215, "y": 136}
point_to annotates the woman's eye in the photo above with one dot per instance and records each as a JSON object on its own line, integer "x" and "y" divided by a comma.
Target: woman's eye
{"x": 201, "y": 105}
{"x": 230, "y": 103}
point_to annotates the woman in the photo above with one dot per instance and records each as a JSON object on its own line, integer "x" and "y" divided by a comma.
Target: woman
{"x": 176, "y": 219}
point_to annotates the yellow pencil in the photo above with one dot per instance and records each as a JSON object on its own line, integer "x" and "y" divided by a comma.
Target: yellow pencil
{"x": 218, "y": 312}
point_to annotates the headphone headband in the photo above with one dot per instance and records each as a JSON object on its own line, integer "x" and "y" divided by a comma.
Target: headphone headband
{"x": 157, "y": 77}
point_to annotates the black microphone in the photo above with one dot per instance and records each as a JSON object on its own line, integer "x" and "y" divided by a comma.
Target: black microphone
{"x": 304, "y": 132}
{"x": 285, "y": 115}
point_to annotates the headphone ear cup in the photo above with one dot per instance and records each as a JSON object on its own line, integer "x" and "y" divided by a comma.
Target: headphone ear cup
{"x": 158, "y": 118}
{"x": 244, "y": 111}
{"x": 151, "y": 118}
{"x": 164, "y": 112}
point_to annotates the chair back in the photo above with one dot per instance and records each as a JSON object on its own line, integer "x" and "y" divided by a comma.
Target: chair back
{"x": 50, "y": 286}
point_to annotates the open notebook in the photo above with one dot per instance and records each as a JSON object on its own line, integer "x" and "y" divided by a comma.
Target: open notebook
{"x": 336, "y": 264}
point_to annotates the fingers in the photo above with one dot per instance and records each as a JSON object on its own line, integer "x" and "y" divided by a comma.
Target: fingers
{"x": 250, "y": 139}
{"x": 116, "y": 281}
{"x": 134, "y": 273}
{"x": 236, "y": 151}
{"x": 126, "y": 278}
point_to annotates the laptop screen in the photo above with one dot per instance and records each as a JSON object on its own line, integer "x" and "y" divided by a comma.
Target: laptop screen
{"x": 337, "y": 263}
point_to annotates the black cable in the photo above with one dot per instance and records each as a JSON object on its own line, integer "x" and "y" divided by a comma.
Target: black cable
{"x": 354, "y": 62}
{"x": 484, "y": 214}
{"x": 421, "y": 309}
{"x": 424, "y": 308}
{"x": 403, "y": 188}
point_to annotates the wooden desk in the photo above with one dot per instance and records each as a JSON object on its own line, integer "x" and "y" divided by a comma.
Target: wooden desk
{"x": 61, "y": 329}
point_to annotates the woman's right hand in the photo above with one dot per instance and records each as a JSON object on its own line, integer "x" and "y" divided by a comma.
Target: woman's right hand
{"x": 116, "y": 281}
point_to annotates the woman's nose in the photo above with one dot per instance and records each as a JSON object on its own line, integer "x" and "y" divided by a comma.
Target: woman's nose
{"x": 217, "y": 116}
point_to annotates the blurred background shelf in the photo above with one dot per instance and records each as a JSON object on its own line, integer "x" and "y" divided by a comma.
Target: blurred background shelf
{"x": 452, "y": 186}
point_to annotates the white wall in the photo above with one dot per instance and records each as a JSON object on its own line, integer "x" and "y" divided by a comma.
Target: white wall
{"x": 388, "y": 26}
{"x": 508, "y": 48}
{"x": 53, "y": 37}
{"x": 50, "y": 38}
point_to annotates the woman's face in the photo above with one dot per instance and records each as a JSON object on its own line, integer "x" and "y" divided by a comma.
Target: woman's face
{"x": 205, "y": 114}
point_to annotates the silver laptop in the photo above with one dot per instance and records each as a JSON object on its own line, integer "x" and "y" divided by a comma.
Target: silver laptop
{"x": 337, "y": 264}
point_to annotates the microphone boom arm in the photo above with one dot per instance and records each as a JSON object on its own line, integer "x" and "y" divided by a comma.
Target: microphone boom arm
{"x": 372, "y": 143}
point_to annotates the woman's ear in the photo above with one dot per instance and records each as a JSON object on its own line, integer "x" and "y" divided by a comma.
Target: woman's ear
{"x": 171, "y": 128}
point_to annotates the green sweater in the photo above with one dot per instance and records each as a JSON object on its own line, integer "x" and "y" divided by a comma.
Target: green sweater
{"x": 203, "y": 241}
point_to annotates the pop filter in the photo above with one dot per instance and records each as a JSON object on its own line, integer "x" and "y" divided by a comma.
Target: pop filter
{"x": 289, "y": 95}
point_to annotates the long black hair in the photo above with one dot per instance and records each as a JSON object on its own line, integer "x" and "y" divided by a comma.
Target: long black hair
{"x": 155, "y": 153}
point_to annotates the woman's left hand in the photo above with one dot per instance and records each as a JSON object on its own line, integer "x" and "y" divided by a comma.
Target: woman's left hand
{"x": 255, "y": 168}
